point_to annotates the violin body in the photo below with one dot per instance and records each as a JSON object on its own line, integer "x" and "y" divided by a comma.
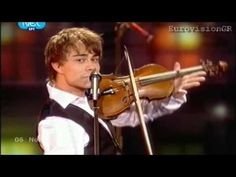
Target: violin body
{"x": 117, "y": 93}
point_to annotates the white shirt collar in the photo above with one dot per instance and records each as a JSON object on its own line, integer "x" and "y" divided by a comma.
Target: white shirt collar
{"x": 62, "y": 97}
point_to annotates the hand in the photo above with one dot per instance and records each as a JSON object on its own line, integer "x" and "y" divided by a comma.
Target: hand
{"x": 188, "y": 81}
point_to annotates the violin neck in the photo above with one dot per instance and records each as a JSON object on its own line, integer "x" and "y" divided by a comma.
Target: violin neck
{"x": 145, "y": 80}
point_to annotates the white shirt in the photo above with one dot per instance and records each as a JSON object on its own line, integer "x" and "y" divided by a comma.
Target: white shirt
{"x": 59, "y": 135}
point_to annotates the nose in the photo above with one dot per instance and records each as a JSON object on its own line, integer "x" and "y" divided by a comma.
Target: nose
{"x": 91, "y": 66}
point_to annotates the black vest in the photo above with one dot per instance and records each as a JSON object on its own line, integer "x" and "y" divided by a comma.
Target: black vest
{"x": 108, "y": 144}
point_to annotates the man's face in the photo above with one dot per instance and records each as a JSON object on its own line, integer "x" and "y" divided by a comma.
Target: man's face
{"x": 77, "y": 68}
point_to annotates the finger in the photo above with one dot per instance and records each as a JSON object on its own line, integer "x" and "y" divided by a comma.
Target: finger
{"x": 191, "y": 85}
{"x": 177, "y": 66}
{"x": 194, "y": 79}
{"x": 195, "y": 75}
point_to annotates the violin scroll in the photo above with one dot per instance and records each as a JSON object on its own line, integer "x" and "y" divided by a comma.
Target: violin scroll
{"x": 214, "y": 69}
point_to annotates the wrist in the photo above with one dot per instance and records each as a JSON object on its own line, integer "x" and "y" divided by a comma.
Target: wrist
{"x": 179, "y": 94}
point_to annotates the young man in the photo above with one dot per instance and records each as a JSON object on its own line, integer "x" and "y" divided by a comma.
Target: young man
{"x": 66, "y": 121}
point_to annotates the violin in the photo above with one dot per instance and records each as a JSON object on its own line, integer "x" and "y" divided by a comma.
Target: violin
{"x": 153, "y": 82}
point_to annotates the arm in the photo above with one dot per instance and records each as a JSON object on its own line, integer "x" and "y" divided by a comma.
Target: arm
{"x": 158, "y": 108}
{"x": 61, "y": 136}
{"x": 151, "y": 110}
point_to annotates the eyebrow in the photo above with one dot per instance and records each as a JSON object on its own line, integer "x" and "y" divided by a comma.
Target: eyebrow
{"x": 84, "y": 55}
{"x": 76, "y": 55}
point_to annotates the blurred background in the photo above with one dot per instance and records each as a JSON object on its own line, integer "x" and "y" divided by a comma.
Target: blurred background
{"x": 206, "y": 124}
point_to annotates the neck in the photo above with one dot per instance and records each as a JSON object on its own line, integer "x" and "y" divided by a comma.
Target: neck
{"x": 145, "y": 80}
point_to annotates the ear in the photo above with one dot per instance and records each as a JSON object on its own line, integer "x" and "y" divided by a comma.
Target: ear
{"x": 57, "y": 67}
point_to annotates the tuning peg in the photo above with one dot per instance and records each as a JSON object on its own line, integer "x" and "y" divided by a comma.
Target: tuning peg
{"x": 223, "y": 65}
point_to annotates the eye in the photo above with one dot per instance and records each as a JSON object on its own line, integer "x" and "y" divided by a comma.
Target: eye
{"x": 81, "y": 60}
{"x": 95, "y": 59}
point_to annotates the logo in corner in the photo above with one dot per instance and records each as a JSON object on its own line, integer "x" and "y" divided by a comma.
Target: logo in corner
{"x": 31, "y": 26}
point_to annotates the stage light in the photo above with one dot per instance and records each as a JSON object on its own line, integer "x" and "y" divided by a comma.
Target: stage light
{"x": 188, "y": 39}
{"x": 164, "y": 39}
{"x": 7, "y": 33}
{"x": 220, "y": 111}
